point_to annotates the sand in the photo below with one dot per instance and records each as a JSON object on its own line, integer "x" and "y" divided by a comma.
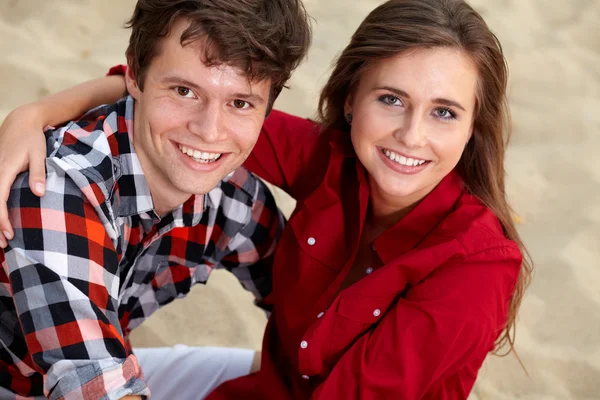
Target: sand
{"x": 553, "y": 49}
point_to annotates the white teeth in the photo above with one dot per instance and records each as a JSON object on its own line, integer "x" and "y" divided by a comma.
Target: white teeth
{"x": 199, "y": 156}
{"x": 409, "y": 162}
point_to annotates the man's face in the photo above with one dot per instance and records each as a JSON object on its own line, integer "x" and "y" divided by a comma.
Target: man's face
{"x": 193, "y": 124}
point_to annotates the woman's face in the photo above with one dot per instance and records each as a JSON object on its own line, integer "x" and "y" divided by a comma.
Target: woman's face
{"x": 412, "y": 117}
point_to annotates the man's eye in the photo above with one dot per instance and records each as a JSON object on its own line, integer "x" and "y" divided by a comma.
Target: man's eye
{"x": 184, "y": 92}
{"x": 240, "y": 104}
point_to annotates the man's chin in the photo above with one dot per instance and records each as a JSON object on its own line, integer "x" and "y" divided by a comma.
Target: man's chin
{"x": 199, "y": 188}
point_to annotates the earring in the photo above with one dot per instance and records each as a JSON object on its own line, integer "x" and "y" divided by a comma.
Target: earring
{"x": 349, "y": 119}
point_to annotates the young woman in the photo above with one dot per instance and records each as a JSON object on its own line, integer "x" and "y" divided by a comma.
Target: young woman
{"x": 400, "y": 268}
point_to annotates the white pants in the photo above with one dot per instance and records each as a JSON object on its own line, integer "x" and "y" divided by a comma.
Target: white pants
{"x": 183, "y": 372}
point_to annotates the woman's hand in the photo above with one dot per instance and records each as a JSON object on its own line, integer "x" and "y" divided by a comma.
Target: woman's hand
{"x": 22, "y": 146}
{"x": 22, "y": 143}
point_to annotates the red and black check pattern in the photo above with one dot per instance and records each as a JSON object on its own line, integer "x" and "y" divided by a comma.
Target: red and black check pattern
{"x": 91, "y": 260}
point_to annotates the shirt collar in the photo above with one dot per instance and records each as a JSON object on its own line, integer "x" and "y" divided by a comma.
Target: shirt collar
{"x": 428, "y": 214}
{"x": 134, "y": 193}
{"x": 411, "y": 229}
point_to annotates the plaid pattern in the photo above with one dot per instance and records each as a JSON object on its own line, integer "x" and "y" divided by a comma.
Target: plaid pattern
{"x": 91, "y": 260}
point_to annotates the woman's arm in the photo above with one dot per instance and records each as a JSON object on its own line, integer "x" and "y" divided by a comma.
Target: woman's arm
{"x": 22, "y": 143}
{"x": 286, "y": 146}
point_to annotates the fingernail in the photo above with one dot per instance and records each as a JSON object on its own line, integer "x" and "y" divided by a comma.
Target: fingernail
{"x": 40, "y": 188}
{"x": 7, "y": 235}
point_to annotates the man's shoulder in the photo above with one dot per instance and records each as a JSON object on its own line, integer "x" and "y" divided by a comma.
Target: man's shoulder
{"x": 84, "y": 151}
{"x": 241, "y": 193}
{"x": 96, "y": 135}
{"x": 80, "y": 167}
{"x": 247, "y": 184}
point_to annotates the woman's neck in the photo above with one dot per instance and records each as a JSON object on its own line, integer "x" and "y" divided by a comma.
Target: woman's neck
{"x": 386, "y": 211}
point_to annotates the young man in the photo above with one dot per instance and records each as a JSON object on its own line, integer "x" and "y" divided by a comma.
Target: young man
{"x": 144, "y": 198}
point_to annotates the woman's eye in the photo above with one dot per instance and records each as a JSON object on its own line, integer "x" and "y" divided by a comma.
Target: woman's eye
{"x": 390, "y": 100}
{"x": 184, "y": 92}
{"x": 445, "y": 113}
{"x": 240, "y": 104}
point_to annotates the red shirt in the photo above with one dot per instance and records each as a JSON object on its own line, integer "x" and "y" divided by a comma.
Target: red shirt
{"x": 420, "y": 322}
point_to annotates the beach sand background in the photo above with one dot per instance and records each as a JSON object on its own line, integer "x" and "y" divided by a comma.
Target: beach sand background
{"x": 553, "y": 49}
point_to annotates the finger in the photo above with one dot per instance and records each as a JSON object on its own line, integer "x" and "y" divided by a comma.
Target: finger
{"x": 37, "y": 174}
{"x": 6, "y": 231}
{"x": 5, "y": 228}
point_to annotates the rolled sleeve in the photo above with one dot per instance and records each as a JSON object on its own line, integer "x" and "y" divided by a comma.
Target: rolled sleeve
{"x": 101, "y": 379}
{"x": 62, "y": 272}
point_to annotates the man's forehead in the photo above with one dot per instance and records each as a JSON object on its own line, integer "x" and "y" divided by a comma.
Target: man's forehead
{"x": 200, "y": 52}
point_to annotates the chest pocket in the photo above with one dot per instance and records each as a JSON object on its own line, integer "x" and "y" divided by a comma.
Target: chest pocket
{"x": 321, "y": 234}
{"x": 354, "y": 317}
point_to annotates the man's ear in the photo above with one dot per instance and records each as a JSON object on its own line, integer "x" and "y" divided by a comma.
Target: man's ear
{"x": 131, "y": 83}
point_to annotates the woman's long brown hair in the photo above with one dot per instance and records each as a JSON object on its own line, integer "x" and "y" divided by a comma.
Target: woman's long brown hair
{"x": 398, "y": 26}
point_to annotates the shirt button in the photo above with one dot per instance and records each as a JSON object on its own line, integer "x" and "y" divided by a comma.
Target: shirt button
{"x": 312, "y": 241}
{"x": 320, "y": 314}
{"x": 304, "y": 344}
{"x": 305, "y": 377}
{"x": 377, "y": 312}
{"x": 369, "y": 270}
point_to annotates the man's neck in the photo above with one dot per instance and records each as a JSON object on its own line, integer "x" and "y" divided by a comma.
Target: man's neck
{"x": 165, "y": 204}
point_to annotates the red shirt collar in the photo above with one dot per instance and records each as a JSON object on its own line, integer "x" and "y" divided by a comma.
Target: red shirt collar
{"x": 427, "y": 215}
{"x": 411, "y": 229}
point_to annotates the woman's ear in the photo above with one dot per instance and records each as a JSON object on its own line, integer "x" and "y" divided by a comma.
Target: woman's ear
{"x": 131, "y": 83}
{"x": 348, "y": 104}
{"x": 471, "y": 132}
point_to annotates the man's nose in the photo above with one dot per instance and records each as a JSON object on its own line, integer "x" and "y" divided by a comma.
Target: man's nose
{"x": 206, "y": 123}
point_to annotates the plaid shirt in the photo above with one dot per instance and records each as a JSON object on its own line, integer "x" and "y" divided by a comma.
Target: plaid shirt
{"x": 91, "y": 260}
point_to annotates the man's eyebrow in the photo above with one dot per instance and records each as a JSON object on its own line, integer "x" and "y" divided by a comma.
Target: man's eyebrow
{"x": 250, "y": 97}
{"x": 175, "y": 80}
{"x": 441, "y": 101}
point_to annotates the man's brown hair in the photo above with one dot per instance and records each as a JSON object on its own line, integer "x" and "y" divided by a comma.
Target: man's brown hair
{"x": 266, "y": 39}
